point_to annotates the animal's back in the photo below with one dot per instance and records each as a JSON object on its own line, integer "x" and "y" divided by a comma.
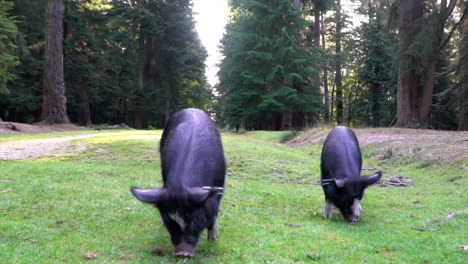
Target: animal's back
{"x": 341, "y": 155}
{"x": 191, "y": 150}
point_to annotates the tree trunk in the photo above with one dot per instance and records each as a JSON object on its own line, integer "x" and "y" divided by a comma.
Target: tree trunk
{"x": 338, "y": 77}
{"x": 463, "y": 71}
{"x": 297, "y": 4}
{"x": 408, "y": 90}
{"x": 312, "y": 117}
{"x": 332, "y": 102}
{"x": 316, "y": 81}
{"x": 286, "y": 117}
{"x": 350, "y": 110}
{"x": 54, "y": 104}
{"x": 325, "y": 73}
{"x": 376, "y": 96}
{"x": 84, "y": 112}
{"x": 144, "y": 77}
{"x": 167, "y": 110}
{"x": 286, "y": 120}
{"x": 431, "y": 69}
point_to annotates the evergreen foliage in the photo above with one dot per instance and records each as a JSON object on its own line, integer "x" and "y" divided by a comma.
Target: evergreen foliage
{"x": 137, "y": 61}
{"x": 9, "y": 36}
{"x": 102, "y": 59}
{"x": 267, "y": 70}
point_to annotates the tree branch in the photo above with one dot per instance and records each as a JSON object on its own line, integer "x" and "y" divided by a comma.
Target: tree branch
{"x": 448, "y": 10}
{"x": 454, "y": 28}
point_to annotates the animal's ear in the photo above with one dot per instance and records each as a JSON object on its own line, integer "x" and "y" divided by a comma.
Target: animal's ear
{"x": 200, "y": 195}
{"x": 339, "y": 183}
{"x": 152, "y": 196}
{"x": 366, "y": 181}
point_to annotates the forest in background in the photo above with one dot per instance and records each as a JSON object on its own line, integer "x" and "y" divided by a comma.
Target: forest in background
{"x": 287, "y": 64}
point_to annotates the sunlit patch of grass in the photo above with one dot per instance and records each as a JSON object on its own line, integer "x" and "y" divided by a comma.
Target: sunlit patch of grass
{"x": 60, "y": 208}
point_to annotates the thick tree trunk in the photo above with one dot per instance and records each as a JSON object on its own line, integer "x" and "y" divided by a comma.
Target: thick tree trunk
{"x": 431, "y": 69}
{"x": 463, "y": 71}
{"x": 325, "y": 73}
{"x": 338, "y": 77}
{"x": 54, "y": 104}
{"x": 408, "y": 90}
{"x": 428, "y": 91}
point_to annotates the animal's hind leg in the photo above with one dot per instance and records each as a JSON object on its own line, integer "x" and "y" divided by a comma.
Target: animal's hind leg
{"x": 328, "y": 209}
{"x": 213, "y": 230}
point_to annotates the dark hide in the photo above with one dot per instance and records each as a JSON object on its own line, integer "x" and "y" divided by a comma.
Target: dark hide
{"x": 341, "y": 179}
{"x": 193, "y": 172}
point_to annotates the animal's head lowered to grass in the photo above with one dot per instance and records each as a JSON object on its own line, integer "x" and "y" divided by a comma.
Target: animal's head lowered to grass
{"x": 346, "y": 194}
{"x": 185, "y": 213}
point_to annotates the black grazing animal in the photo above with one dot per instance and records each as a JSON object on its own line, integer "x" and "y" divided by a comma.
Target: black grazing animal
{"x": 341, "y": 179}
{"x": 193, "y": 172}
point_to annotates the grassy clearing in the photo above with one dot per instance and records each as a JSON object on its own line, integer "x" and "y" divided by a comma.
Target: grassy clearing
{"x": 59, "y": 209}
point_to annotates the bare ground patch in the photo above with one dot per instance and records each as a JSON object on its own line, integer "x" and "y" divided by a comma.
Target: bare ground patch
{"x": 35, "y": 148}
{"x": 430, "y": 146}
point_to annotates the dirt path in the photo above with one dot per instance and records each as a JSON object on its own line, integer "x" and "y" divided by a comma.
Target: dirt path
{"x": 35, "y": 148}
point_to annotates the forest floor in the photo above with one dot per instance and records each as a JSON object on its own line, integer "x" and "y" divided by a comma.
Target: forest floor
{"x": 26, "y": 141}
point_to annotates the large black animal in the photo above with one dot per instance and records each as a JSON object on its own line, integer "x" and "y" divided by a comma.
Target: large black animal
{"x": 341, "y": 179}
{"x": 193, "y": 172}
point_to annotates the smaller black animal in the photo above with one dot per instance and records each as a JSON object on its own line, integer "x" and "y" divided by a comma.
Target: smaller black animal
{"x": 341, "y": 179}
{"x": 193, "y": 171}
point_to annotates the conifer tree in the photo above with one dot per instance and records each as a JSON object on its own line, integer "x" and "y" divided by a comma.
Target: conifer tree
{"x": 8, "y": 38}
{"x": 266, "y": 73}
{"x": 54, "y": 109}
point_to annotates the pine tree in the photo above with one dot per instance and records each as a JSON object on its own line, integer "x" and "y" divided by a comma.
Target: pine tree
{"x": 265, "y": 78}
{"x": 54, "y": 108}
{"x": 463, "y": 72}
{"x": 9, "y": 36}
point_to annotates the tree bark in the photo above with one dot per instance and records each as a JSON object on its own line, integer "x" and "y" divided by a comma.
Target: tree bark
{"x": 325, "y": 73}
{"x": 338, "y": 77}
{"x": 54, "y": 104}
{"x": 84, "y": 111}
{"x": 144, "y": 77}
{"x": 286, "y": 120}
{"x": 407, "y": 91}
{"x": 297, "y": 4}
{"x": 332, "y": 102}
{"x": 287, "y": 116}
{"x": 463, "y": 72}
{"x": 312, "y": 117}
{"x": 430, "y": 74}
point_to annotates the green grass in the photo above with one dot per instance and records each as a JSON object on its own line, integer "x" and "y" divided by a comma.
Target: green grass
{"x": 56, "y": 210}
